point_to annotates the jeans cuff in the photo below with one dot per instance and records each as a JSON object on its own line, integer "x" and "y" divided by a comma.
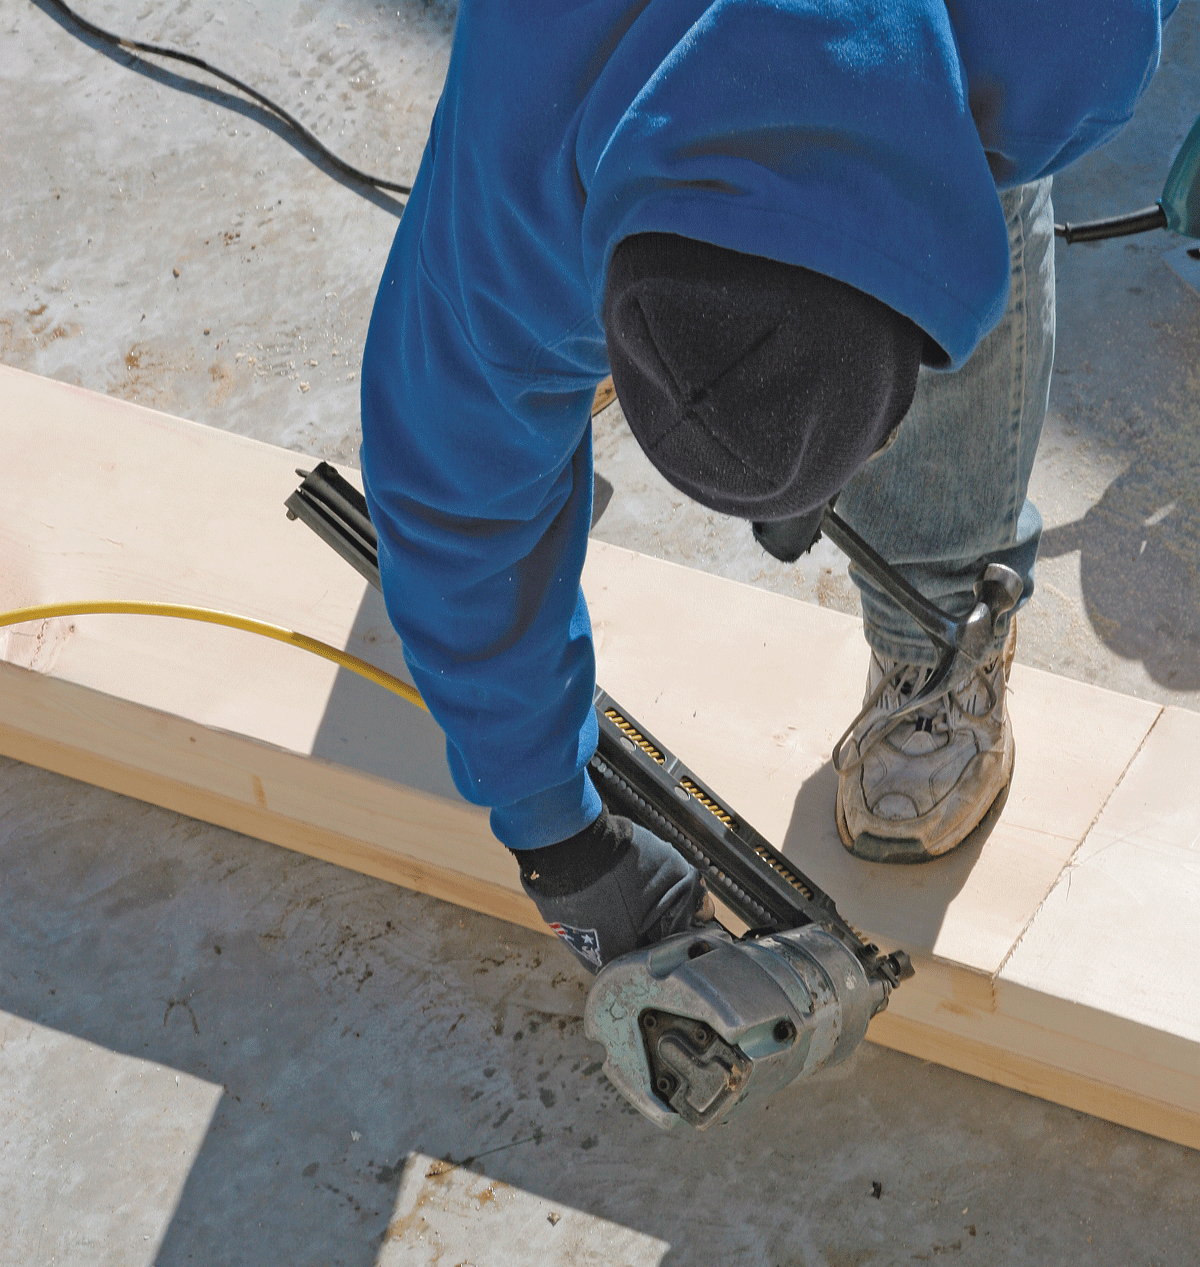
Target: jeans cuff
{"x": 914, "y": 646}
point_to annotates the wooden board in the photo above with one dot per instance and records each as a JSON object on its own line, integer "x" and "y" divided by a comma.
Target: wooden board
{"x": 749, "y": 688}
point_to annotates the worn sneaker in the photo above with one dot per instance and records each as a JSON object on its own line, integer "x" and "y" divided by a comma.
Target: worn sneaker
{"x": 912, "y": 788}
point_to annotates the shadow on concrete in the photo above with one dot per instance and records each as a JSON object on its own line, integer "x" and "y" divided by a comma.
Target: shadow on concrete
{"x": 1139, "y": 549}
{"x": 355, "y": 1029}
{"x": 352, "y": 1025}
{"x": 348, "y": 1022}
{"x": 1127, "y": 387}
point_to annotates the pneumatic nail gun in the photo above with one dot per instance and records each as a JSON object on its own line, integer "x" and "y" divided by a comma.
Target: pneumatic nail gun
{"x": 700, "y": 1025}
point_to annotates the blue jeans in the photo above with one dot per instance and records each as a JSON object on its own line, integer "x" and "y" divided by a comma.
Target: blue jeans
{"x": 949, "y": 495}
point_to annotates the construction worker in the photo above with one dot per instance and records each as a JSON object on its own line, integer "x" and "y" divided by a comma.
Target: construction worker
{"x": 813, "y": 241}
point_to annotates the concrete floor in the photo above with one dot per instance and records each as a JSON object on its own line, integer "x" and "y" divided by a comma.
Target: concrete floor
{"x": 215, "y": 1051}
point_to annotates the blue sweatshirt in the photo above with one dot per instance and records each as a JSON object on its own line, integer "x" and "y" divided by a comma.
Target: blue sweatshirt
{"x": 864, "y": 139}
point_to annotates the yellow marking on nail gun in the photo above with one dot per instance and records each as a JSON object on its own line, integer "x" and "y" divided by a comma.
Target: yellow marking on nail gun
{"x": 780, "y": 867}
{"x": 770, "y": 857}
{"x": 707, "y": 801}
{"x": 634, "y": 735}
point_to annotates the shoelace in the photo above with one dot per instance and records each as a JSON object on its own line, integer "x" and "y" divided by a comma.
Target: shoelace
{"x": 937, "y": 710}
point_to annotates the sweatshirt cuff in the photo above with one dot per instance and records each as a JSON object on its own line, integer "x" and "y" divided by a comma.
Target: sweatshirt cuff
{"x": 548, "y": 817}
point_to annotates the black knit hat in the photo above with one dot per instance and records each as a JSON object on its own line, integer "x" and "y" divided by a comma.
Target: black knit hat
{"x": 757, "y": 388}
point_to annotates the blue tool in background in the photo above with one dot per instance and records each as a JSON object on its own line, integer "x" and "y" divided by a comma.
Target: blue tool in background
{"x": 1177, "y": 210}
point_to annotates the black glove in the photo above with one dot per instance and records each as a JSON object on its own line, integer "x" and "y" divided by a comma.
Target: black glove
{"x": 613, "y": 888}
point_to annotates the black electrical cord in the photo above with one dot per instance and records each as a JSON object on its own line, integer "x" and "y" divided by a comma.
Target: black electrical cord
{"x": 1114, "y": 227}
{"x": 119, "y": 41}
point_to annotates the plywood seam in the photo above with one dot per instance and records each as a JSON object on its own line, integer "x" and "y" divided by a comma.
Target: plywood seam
{"x": 1012, "y": 950}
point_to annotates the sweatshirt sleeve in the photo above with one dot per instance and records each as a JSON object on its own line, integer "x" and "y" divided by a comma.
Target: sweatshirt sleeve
{"x": 1049, "y": 82}
{"x": 478, "y": 477}
{"x": 482, "y": 537}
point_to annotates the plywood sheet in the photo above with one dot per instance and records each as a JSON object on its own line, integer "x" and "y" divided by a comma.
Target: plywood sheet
{"x": 1116, "y": 937}
{"x": 123, "y": 502}
{"x": 752, "y": 690}
{"x": 749, "y": 688}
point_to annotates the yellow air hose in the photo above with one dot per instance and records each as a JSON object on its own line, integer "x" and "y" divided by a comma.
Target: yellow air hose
{"x": 48, "y": 611}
